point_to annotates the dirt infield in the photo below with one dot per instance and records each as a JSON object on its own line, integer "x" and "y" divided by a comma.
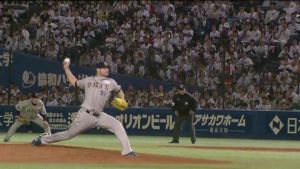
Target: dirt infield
{"x": 243, "y": 148}
{"x": 26, "y": 153}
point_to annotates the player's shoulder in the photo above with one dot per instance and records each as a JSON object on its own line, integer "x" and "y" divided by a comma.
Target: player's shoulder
{"x": 88, "y": 78}
{"x": 40, "y": 102}
{"x": 27, "y": 101}
{"x": 189, "y": 95}
{"x": 23, "y": 103}
{"x": 109, "y": 80}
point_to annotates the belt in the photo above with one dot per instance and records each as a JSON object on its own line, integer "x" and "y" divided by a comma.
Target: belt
{"x": 96, "y": 114}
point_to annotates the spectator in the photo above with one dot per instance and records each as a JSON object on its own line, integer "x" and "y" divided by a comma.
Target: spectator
{"x": 51, "y": 101}
{"x": 51, "y": 52}
{"x": 272, "y": 13}
{"x": 264, "y": 105}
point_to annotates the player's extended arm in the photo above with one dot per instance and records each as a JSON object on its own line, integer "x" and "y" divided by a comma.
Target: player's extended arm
{"x": 43, "y": 112}
{"x": 19, "y": 107}
{"x": 71, "y": 78}
{"x": 20, "y": 118}
{"x": 45, "y": 118}
{"x": 121, "y": 94}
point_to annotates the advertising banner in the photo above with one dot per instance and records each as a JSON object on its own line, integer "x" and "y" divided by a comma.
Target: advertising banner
{"x": 151, "y": 121}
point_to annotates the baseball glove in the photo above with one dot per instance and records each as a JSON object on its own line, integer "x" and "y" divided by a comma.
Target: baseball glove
{"x": 119, "y": 104}
{"x": 23, "y": 119}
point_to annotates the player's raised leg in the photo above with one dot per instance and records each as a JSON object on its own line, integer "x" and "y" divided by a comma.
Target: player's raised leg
{"x": 113, "y": 125}
{"x": 13, "y": 128}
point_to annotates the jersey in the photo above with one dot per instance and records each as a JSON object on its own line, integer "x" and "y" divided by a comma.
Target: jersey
{"x": 30, "y": 111}
{"x": 184, "y": 103}
{"x": 97, "y": 91}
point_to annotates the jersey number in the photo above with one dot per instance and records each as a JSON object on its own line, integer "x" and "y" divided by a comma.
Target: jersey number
{"x": 103, "y": 92}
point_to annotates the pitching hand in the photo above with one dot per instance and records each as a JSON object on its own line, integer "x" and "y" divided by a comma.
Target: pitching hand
{"x": 66, "y": 63}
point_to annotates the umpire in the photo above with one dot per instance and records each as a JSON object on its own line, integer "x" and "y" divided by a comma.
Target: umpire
{"x": 184, "y": 106}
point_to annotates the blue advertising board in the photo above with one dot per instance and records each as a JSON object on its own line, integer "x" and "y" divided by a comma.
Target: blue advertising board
{"x": 224, "y": 123}
{"x": 135, "y": 121}
{"x": 151, "y": 121}
{"x": 282, "y": 125}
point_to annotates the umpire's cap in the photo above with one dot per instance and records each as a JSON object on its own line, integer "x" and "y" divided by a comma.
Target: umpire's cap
{"x": 102, "y": 65}
{"x": 181, "y": 87}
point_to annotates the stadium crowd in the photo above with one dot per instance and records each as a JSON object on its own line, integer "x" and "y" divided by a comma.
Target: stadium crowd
{"x": 240, "y": 54}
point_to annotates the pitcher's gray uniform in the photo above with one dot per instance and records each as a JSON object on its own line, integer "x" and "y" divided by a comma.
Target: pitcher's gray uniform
{"x": 97, "y": 92}
{"x": 30, "y": 112}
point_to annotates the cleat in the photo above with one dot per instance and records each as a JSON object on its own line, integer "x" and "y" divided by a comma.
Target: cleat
{"x": 131, "y": 154}
{"x": 38, "y": 141}
{"x": 174, "y": 142}
{"x": 6, "y": 140}
{"x": 193, "y": 142}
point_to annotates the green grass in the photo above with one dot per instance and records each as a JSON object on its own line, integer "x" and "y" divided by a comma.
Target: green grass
{"x": 158, "y": 145}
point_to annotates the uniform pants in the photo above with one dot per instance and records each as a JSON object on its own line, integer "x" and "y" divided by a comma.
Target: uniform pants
{"x": 85, "y": 121}
{"x": 37, "y": 120}
{"x": 178, "y": 123}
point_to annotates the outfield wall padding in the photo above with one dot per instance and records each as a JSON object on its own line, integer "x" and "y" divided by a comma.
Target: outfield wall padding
{"x": 160, "y": 121}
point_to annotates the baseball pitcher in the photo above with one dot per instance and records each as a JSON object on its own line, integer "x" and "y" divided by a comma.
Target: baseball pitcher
{"x": 29, "y": 110}
{"x": 98, "y": 90}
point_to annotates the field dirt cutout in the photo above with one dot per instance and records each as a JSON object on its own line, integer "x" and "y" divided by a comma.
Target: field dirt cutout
{"x": 26, "y": 153}
{"x": 243, "y": 148}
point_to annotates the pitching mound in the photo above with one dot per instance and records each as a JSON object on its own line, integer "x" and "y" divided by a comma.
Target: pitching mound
{"x": 26, "y": 153}
{"x": 243, "y": 148}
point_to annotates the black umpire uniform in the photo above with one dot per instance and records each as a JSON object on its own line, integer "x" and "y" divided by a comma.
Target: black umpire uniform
{"x": 184, "y": 106}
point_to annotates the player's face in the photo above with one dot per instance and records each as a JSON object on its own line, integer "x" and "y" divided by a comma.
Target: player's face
{"x": 103, "y": 71}
{"x": 34, "y": 101}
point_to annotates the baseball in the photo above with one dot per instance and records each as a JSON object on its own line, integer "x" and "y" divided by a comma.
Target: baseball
{"x": 67, "y": 60}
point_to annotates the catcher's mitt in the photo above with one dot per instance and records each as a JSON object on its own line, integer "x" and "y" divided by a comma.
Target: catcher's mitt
{"x": 119, "y": 104}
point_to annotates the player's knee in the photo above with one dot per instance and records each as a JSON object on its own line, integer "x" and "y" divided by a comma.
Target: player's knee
{"x": 46, "y": 125}
{"x": 119, "y": 124}
{"x": 116, "y": 125}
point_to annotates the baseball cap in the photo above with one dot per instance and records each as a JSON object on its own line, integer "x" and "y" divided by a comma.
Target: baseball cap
{"x": 34, "y": 95}
{"x": 181, "y": 87}
{"x": 102, "y": 65}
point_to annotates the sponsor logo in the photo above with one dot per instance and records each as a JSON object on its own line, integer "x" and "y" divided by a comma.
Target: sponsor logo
{"x": 276, "y": 125}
